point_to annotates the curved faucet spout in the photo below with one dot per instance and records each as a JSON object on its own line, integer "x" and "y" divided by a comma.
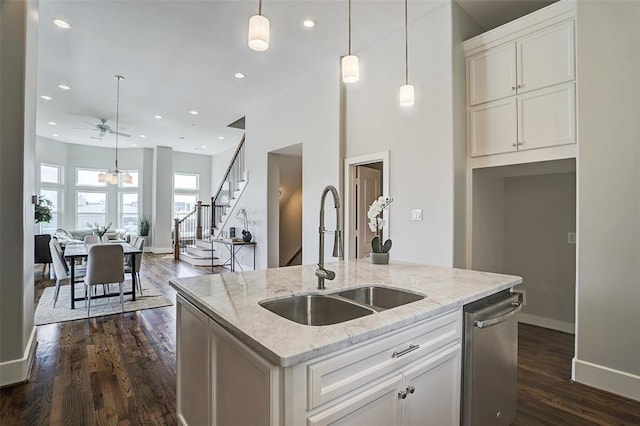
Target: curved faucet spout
{"x": 321, "y": 272}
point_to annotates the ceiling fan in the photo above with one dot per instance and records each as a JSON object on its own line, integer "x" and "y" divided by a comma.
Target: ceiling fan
{"x": 104, "y": 128}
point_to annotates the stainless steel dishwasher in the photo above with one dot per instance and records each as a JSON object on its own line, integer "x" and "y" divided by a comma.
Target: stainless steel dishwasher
{"x": 490, "y": 357}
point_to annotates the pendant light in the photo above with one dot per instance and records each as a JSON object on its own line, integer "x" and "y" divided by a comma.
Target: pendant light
{"x": 407, "y": 95}
{"x": 350, "y": 66}
{"x": 259, "y": 31}
{"x": 111, "y": 176}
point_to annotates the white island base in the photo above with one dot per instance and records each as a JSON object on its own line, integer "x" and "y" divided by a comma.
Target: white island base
{"x": 221, "y": 381}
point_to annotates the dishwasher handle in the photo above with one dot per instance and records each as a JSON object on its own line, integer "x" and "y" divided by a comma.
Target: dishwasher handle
{"x": 517, "y": 307}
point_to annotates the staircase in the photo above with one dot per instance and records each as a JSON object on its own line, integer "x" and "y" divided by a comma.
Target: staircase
{"x": 194, "y": 233}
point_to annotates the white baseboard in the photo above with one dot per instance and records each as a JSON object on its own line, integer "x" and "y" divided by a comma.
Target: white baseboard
{"x": 553, "y": 324}
{"x": 162, "y": 250}
{"x": 17, "y": 370}
{"x": 605, "y": 378}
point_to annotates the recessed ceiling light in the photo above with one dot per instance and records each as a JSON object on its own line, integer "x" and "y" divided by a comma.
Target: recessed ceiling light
{"x": 133, "y": 144}
{"x": 309, "y": 23}
{"x": 64, "y": 87}
{"x": 55, "y": 135}
{"x": 46, "y": 98}
{"x": 193, "y": 112}
{"x": 143, "y": 136}
{"x": 51, "y": 123}
{"x": 61, "y": 23}
{"x": 204, "y": 146}
{"x": 158, "y": 117}
{"x": 220, "y": 137}
{"x": 239, "y": 75}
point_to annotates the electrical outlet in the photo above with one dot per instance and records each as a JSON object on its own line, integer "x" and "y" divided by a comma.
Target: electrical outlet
{"x": 416, "y": 214}
{"x": 571, "y": 238}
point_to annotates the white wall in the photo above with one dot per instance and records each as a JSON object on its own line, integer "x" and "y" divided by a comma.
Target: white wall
{"x": 539, "y": 211}
{"x": 194, "y": 163}
{"x": 608, "y": 292}
{"x": 302, "y": 113}
{"x": 18, "y": 56}
{"x": 420, "y": 138}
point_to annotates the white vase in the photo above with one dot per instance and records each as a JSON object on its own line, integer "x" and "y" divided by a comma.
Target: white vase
{"x": 104, "y": 239}
{"x": 379, "y": 258}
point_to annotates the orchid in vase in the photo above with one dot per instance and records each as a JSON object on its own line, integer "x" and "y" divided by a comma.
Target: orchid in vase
{"x": 377, "y": 222}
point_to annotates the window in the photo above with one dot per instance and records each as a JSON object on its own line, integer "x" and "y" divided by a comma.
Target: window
{"x": 91, "y": 207}
{"x": 50, "y": 174}
{"x": 134, "y": 176}
{"x": 185, "y": 196}
{"x": 88, "y": 177}
{"x": 51, "y": 188}
{"x": 186, "y": 181}
{"x": 183, "y": 204}
{"x": 55, "y": 196}
{"x": 128, "y": 208}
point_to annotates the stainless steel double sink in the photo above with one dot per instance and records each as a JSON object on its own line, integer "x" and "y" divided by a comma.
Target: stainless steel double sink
{"x": 345, "y": 305}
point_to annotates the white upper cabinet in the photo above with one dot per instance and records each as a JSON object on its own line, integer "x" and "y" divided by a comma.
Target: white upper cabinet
{"x": 521, "y": 89}
{"x": 546, "y": 58}
{"x": 492, "y": 74}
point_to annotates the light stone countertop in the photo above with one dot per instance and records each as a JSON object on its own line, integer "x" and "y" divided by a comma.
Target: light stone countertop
{"x": 231, "y": 299}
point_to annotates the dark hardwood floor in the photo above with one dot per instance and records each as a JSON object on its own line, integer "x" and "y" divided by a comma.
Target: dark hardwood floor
{"x": 120, "y": 369}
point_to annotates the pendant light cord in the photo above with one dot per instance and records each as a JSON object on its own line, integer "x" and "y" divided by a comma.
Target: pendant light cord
{"x": 119, "y": 77}
{"x": 406, "y": 45}
{"x": 349, "y": 27}
{"x": 259, "y": 7}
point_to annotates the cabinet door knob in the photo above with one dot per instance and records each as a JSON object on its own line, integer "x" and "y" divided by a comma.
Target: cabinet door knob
{"x": 402, "y": 394}
{"x": 519, "y": 86}
{"x": 514, "y": 144}
{"x": 513, "y": 87}
{"x": 411, "y": 389}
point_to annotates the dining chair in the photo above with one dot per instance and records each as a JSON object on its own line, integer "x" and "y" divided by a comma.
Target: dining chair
{"x": 105, "y": 266}
{"x": 61, "y": 269}
{"x": 139, "y": 244}
{"x": 91, "y": 239}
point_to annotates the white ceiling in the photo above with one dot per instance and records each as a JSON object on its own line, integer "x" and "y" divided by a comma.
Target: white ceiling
{"x": 180, "y": 55}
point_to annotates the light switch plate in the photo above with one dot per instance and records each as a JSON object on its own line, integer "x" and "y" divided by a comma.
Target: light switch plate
{"x": 416, "y": 214}
{"x": 571, "y": 238}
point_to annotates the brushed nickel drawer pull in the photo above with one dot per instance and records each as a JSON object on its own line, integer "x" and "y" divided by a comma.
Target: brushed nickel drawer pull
{"x": 411, "y": 348}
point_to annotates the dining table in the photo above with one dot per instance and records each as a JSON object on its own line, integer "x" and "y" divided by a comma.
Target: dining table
{"x": 73, "y": 252}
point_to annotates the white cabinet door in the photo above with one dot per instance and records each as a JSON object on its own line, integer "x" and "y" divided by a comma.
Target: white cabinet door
{"x": 376, "y": 405}
{"x": 546, "y": 117}
{"x": 493, "y": 127}
{"x": 434, "y": 390}
{"x": 492, "y": 74}
{"x": 193, "y": 361}
{"x": 546, "y": 58}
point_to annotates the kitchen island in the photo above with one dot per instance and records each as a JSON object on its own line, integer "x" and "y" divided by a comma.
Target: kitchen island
{"x": 239, "y": 363}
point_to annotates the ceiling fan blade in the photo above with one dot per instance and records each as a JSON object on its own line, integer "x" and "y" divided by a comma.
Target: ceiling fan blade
{"x": 102, "y": 132}
{"x": 113, "y": 132}
{"x": 84, "y": 128}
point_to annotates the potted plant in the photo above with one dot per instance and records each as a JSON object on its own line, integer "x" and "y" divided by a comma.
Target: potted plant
{"x": 98, "y": 230}
{"x": 144, "y": 226}
{"x": 380, "y": 250}
{"x": 43, "y": 210}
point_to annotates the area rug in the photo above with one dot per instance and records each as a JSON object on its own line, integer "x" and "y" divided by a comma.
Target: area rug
{"x": 47, "y": 314}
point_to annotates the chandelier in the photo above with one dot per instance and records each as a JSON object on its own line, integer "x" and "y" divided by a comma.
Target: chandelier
{"x": 111, "y": 176}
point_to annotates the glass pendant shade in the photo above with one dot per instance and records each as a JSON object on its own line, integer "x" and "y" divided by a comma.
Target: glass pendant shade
{"x": 127, "y": 179}
{"x": 407, "y": 96}
{"x": 259, "y": 33}
{"x": 102, "y": 177}
{"x": 350, "y": 69}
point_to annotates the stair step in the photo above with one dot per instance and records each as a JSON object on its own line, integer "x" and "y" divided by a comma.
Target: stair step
{"x": 203, "y": 245}
{"x": 199, "y": 261}
{"x": 198, "y": 252}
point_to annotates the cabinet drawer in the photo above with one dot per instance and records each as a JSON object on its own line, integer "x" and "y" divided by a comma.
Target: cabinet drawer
{"x": 333, "y": 376}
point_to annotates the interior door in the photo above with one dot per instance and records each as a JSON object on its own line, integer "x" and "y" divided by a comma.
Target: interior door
{"x": 368, "y": 184}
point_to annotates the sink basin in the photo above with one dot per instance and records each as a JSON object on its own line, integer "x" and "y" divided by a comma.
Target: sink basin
{"x": 314, "y": 309}
{"x": 381, "y": 297}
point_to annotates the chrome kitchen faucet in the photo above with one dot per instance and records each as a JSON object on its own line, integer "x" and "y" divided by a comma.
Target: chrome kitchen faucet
{"x": 321, "y": 272}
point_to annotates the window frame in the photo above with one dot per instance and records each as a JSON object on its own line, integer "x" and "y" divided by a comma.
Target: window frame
{"x": 89, "y": 185}
{"x": 183, "y": 189}
{"x": 80, "y": 226}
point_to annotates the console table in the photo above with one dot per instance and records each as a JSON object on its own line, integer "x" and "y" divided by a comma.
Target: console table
{"x": 234, "y": 247}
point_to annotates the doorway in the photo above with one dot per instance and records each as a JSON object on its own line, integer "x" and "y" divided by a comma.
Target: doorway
{"x": 367, "y": 178}
{"x": 285, "y": 206}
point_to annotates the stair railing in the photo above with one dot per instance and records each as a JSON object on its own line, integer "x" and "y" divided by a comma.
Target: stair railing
{"x": 188, "y": 229}
{"x": 228, "y": 185}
